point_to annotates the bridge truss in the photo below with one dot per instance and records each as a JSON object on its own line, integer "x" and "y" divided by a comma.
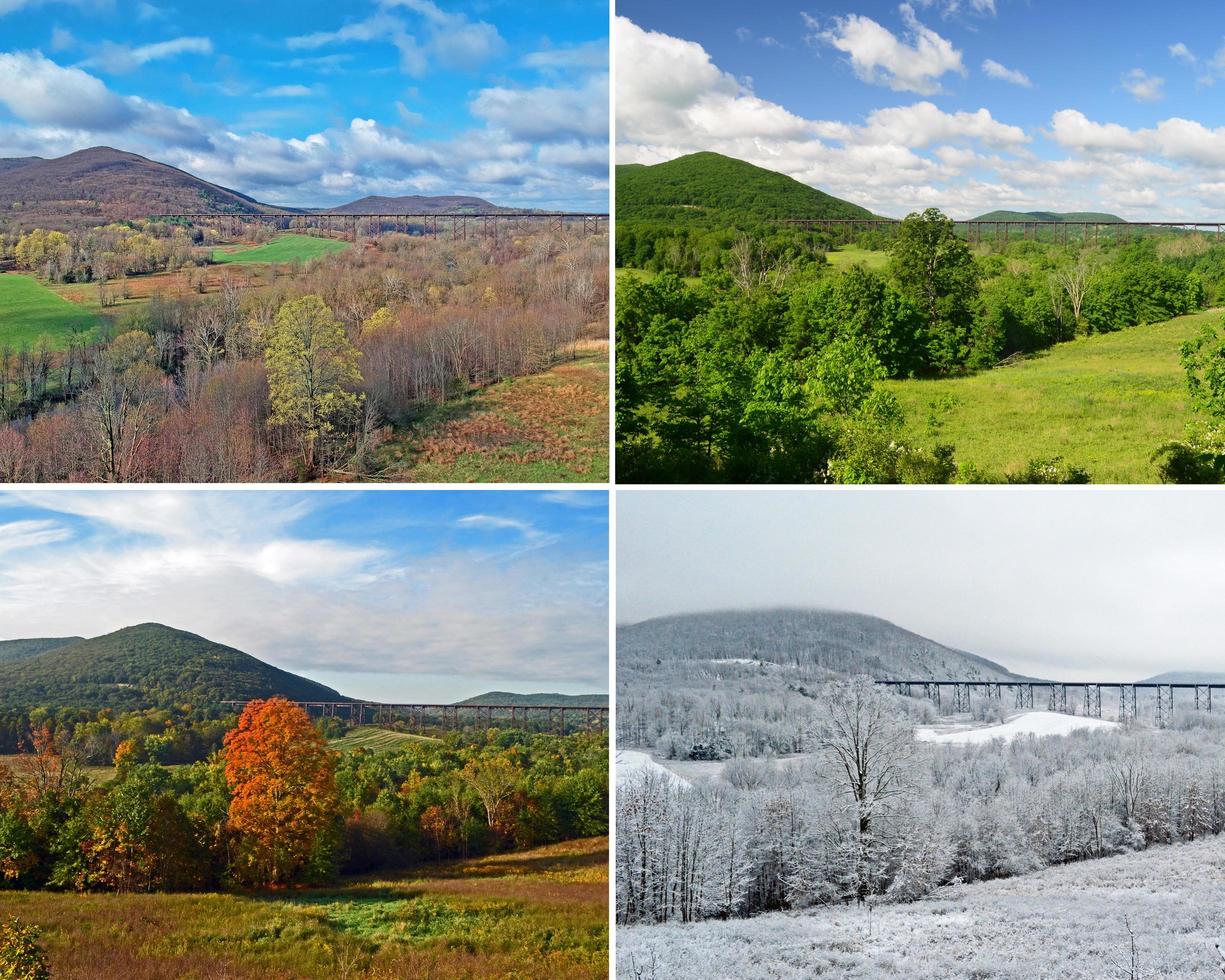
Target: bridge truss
{"x": 1055, "y": 695}
{"x": 1063, "y": 232}
{"x": 558, "y": 718}
{"x": 456, "y": 227}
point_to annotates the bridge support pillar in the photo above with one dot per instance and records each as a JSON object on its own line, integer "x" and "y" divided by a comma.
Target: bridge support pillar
{"x": 961, "y": 697}
{"x": 1058, "y": 697}
{"x": 1203, "y": 697}
{"x": 1025, "y": 695}
{"x": 932, "y": 693}
{"x": 1093, "y": 700}
{"x": 1127, "y": 702}
{"x": 1164, "y": 713}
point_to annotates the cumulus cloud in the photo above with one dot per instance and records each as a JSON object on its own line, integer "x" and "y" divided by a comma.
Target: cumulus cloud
{"x": 914, "y": 62}
{"x": 546, "y": 112}
{"x": 1142, "y": 86}
{"x": 993, "y": 69}
{"x": 239, "y": 570}
{"x": 36, "y": 89}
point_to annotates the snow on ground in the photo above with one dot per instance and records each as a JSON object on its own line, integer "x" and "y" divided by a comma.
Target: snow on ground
{"x": 693, "y": 771}
{"x": 1027, "y": 723}
{"x": 1066, "y": 922}
{"x": 631, "y": 764}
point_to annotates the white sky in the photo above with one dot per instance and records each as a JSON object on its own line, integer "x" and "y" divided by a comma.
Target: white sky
{"x": 1075, "y": 582}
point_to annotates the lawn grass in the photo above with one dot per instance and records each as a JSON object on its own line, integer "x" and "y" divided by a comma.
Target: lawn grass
{"x": 851, "y": 255}
{"x": 1104, "y": 403}
{"x": 285, "y": 248}
{"x": 539, "y": 913}
{"x": 550, "y": 427}
{"x": 28, "y": 310}
{"x": 374, "y": 739}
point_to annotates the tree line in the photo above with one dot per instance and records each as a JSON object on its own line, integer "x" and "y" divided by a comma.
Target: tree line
{"x": 275, "y": 806}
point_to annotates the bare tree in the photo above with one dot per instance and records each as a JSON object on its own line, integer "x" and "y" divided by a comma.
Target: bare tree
{"x": 1074, "y": 281}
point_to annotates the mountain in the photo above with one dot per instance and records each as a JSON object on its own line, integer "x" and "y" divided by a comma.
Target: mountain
{"x": 1049, "y": 216}
{"x": 557, "y": 700}
{"x": 417, "y": 204}
{"x": 147, "y": 666}
{"x": 103, "y": 184}
{"x": 840, "y": 642}
{"x": 12, "y": 650}
{"x": 709, "y": 188}
{"x": 1186, "y": 677}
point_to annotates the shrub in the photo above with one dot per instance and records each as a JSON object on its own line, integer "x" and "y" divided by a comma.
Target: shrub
{"x": 21, "y": 957}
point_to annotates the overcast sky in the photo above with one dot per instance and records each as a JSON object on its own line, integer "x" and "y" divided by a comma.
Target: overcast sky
{"x": 966, "y": 105}
{"x": 1076, "y": 583}
{"x": 388, "y": 595}
{"x": 316, "y": 103}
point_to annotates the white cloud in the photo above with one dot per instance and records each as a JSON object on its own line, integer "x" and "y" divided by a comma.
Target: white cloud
{"x": 38, "y": 90}
{"x": 288, "y": 92}
{"x": 455, "y": 41}
{"x": 546, "y": 112}
{"x": 122, "y": 58}
{"x": 912, "y": 63}
{"x": 1142, "y": 86}
{"x": 24, "y": 535}
{"x": 993, "y": 69}
{"x": 1183, "y": 53}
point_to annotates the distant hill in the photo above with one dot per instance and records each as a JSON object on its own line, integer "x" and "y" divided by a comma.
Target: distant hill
{"x": 840, "y": 642}
{"x": 709, "y": 188}
{"x": 1049, "y": 216}
{"x": 102, "y": 184}
{"x": 1186, "y": 677}
{"x": 147, "y": 666}
{"x": 417, "y": 204}
{"x": 566, "y": 700}
{"x": 11, "y": 650}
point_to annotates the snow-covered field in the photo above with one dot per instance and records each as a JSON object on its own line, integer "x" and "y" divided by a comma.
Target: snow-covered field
{"x": 631, "y": 763}
{"x": 1027, "y": 723}
{"x": 1068, "y": 922}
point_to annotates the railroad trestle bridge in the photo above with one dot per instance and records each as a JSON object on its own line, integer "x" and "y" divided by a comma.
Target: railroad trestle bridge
{"x": 1053, "y": 695}
{"x": 456, "y": 227}
{"x": 1062, "y": 232}
{"x": 559, "y": 718}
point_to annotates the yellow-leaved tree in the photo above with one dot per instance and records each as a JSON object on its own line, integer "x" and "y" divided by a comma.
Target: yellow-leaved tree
{"x": 312, "y": 374}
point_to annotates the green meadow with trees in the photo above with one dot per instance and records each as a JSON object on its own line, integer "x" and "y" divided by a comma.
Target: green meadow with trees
{"x": 746, "y": 355}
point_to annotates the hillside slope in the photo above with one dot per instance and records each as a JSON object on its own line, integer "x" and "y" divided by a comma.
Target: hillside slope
{"x": 709, "y": 188}
{"x": 12, "y": 650}
{"x": 841, "y": 642}
{"x": 1049, "y": 216}
{"x": 418, "y": 204}
{"x": 103, "y": 184}
{"x": 144, "y": 666}
{"x": 567, "y": 700}
{"x": 1069, "y": 922}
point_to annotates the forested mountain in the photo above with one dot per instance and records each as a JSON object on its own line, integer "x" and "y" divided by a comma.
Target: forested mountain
{"x": 1048, "y": 216}
{"x": 712, "y": 189}
{"x": 418, "y": 204}
{"x": 528, "y": 700}
{"x": 840, "y": 642}
{"x": 11, "y": 650}
{"x": 1186, "y": 677}
{"x": 102, "y": 184}
{"x": 146, "y": 666}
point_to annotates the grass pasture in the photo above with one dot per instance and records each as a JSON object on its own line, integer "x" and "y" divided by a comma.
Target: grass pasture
{"x": 28, "y": 310}
{"x": 1104, "y": 402}
{"x": 540, "y": 913}
{"x": 374, "y": 739}
{"x": 842, "y": 258}
{"x": 550, "y": 427}
{"x": 285, "y": 248}
{"x": 96, "y": 774}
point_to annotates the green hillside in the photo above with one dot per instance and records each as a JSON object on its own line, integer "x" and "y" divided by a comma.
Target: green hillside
{"x": 147, "y": 666}
{"x": 286, "y": 248}
{"x": 711, "y": 189}
{"x": 11, "y": 650}
{"x": 1048, "y": 216}
{"x": 557, "y": 700}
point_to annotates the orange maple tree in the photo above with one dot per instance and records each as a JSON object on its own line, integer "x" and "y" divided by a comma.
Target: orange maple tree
{"x": 283, "y": 800}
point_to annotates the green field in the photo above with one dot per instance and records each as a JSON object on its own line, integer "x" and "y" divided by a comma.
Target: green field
{"x": 374, "y": 739}
{"x": 852, "y": 255}
{"x": 1104, "y": 403}
{"x": 539, "y": 913}
{"x": 286, "y": 248}
{"x": 28, "y": 310}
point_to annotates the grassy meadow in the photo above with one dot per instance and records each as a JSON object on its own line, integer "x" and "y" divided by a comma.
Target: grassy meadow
{"x": 29, "y": 310}
{"x": 850, "y": 255}
{"x": 374, "y": 739}
{"x": 286, "y": 248}
{"x": 1104, "y": 402}
{"x": 538, "y": 913}
{"x": 550, "y": 427}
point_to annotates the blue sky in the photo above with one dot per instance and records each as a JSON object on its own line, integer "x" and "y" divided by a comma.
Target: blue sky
{"x": 392, "y": 595}
{"x": 967, "y": 105}
{"x": 313, "y": 103}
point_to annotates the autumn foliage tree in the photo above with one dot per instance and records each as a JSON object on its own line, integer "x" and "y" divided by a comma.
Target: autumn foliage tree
{"x": 284, "y": 806}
